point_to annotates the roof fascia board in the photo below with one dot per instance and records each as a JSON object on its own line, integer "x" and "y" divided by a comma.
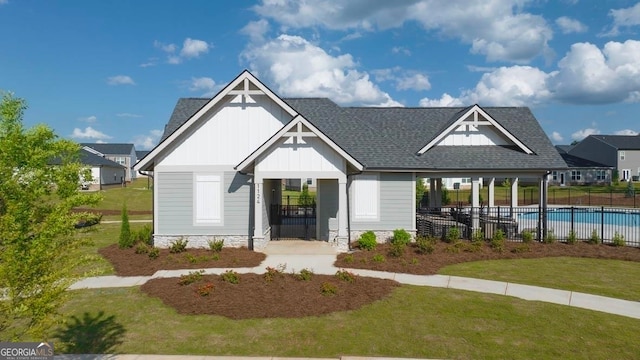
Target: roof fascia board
{"x": 284, "y": 132}
{"x": 475, "y": 109}
{"x": 245, "y": 77}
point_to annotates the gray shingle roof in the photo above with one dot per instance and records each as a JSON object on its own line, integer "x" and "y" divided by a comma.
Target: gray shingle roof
{"x": 88, "y": 158}
{"x": 621, "y": 142}
{"x": 389, "y": 138}
{"x": 111, "y": 149}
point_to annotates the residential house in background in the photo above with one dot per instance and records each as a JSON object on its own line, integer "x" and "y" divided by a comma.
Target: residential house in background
{"x": 123, "y": 154}
{"x": 620, "y": 152}
{"x": 580, "y": 171}
{"x": 219, "y": 166}
{"x": 103, "y": 171}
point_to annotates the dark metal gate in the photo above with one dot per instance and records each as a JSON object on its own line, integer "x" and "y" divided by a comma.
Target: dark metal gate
{"x": 289, "y": 222}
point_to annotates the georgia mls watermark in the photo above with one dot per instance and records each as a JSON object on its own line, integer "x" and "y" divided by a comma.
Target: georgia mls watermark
{"x": 26, "y": 351}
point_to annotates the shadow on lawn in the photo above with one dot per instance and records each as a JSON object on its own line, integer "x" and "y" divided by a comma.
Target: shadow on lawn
{"x": 91, "y": 334}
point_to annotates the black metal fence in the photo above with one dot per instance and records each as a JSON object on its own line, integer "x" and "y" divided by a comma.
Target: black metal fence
{"x": 559, "y": 223}
{"x": 292, "y": 221}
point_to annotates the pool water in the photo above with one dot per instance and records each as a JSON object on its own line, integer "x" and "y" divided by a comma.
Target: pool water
{"x": 631, "y": 218}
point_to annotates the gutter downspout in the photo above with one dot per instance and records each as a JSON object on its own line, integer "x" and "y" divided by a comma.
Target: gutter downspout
{"x": 149, "y": 174}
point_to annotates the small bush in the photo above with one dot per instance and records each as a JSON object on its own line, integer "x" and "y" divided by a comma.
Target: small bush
{"x": 595, "y": 238}
{"x": 425, "y": 245}
{"x": 205, "y": 289}
{"x": 477, "y": 236}
{"x": 304, "y": 275}
{"x": 572, "y": 238}
{"x": 618, "y": 239}
{"x": 144, "y": 235}
{"x": 521, "y": 248}
{"x": 453, "y": 248}
{"x": 272, "y": 272}
{"x": 328, "y": 289}
{"x": 497, "y": 241}
{"x": 190, "y": 258}
{"x": 344, "y": 275}
{"x": 142, "y": 248}
{"x": 125, "y": 240}
{"x": 474, "y": 246}
{"x": 178, "y": 246}
{"x": 549, "y": 237}
{"x": 401, "y": 236}
{"x": 215, "y": 245}
{"x": 348, "y": 258}
{"x": 527, "y": 237}
{"x": 397, "y": 249}
{"x": 367, "y": 241}
{"x": 154, "y": 252}
{"x": 190, "y": 278}
{"x": 453, "y": 234}
{"x": 378, "y": 258}
{"x": 231, "y": 277}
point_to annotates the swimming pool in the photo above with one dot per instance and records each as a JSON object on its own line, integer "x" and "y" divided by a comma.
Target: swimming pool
{"x": 589, "y": 216}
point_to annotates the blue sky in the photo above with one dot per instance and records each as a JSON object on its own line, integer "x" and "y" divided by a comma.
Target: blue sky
{"x": 111, "y": 71}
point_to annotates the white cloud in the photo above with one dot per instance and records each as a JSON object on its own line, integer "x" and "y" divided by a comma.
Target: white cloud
{"x": 2, "y": 2}
{"x": 120, "y": 80}
{"x": 581, "y": 134}
{"x": 89, "y": 119}
{"x": 506, "y": 86}
{"x": 168, "y": 48}
{"x": 401, "y": 50}
{"x": 556, "y": 136}
{"x": 89, "y": 133}
{"x": 626, "y": 17}
{"x": 174, "y": 60}
{"x": 300, "y": 68}
{"x": 403, "y": 79}
{"x": 147, "y": 141}
{"x": 568, "y": 25}
{"x": 626, "y": 132}
{"x": 204, "y": 84}
{"x": 256, "y": 30}
{"x": 193, "y": 48}
{"x": 497, "y": 29}
{"x": 128, "y": 115}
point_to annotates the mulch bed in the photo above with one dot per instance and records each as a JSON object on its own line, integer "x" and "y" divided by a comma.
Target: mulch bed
{"x": 412, "y": 262}
{"x": 127, "y": 263}
{"x": 254, "y": 297}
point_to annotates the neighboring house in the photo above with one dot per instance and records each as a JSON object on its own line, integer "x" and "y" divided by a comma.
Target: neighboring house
{"x": 103, "y": 171}
{"x": 123, "y": 154}
{"x": 621, "y": 152}
{"x": 580, "y": 171}
{"x": 219, "y": 166}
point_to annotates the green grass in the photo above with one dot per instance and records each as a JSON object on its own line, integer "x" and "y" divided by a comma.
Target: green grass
{"x": 613, "y": 278}
{"x": 136, "y": 194}
{"x": 413, "y": 322}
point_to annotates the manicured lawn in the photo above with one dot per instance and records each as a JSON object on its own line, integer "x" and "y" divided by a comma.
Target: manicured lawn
{"x": 413, "y": 322}
{"x": 137, "y": 196}
{"x": 612, "y": 278}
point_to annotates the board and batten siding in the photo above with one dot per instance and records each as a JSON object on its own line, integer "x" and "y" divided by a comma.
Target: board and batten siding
{"x": 229, "y": 133}
{"x": 395, "y": 202}
{"x": 466, "y": 135}
{"x": 175, "y": 205}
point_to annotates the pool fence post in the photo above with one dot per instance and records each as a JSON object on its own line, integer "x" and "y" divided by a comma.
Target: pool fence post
{"x": 572, "y": 219}
{"x": 602, "y": 224}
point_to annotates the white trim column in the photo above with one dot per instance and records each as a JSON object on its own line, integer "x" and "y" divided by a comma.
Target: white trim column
{"x": 475, "y": 204}
{"x": 258, "y": 200}
{"x": 492, "y": 192}
{"x": 514, "y": 192}
{"x": 342, "y": 208}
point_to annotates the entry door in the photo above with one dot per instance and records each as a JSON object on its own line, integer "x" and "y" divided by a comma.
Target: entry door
{"x": 626, "y": 174}
{"x": 561, "y": 179}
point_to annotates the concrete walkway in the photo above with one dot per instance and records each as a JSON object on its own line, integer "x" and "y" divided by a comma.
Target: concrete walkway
{"x": 319, "y": 257}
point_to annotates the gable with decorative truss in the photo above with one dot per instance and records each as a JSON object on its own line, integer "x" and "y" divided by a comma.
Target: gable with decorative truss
{"x": 475, "y": 128}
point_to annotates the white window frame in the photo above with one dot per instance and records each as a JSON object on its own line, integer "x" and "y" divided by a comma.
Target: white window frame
{"x": 366, "y": 186}
{"x": 208, "y": 212}
{"x": 601, "y": 175}
{"x": 554, "y": 175}
{"x": 576, "y": 175}
{"x": 622, "y": 155}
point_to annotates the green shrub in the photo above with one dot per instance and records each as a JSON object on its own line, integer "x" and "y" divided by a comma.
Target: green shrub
{"x": 572, "y": 238}
{"x": 216, "y": 245}
{"x": 178, "y": 246}
{"x": 367, "y": 241}
{"x": 425, "y": 244}
{"x": 348, "y": 258}
{"x": 125, "y": 240}
{"x": 453, "y": 234}
{"x": 527, "y": 237}
{"x": 401, "y": 236}
{"x": 595, "y": 238}
{"x": 142, "y": 248}
{"x": 618, "y": 239}
{"x": 328, "y": 288}
{"x": 144, "y": 235}
{"x": 190, "y": 278}
{"x": 549, "y": 237}
{"x": 497, "y": 241}
{"x": 397, "y": 249}
{"x": 272, "y": 272}
{"x": 231, "y": 277}
{"x": 379, "y": 258}
{"x": 477, "y": 236}
{"x": 154, "y": 252}
{"x": 521, "y": 248}
{"x": 346, "y": 276}
{"x": 304, "y": 275}
{"x": 88, "y": 219}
